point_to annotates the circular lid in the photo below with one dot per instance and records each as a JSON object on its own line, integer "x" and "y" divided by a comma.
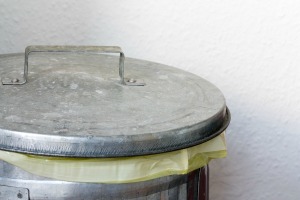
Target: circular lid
{"x": 74, "y": 105}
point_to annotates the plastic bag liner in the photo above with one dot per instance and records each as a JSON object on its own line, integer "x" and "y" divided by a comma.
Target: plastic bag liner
{"x": 120, "y": 170}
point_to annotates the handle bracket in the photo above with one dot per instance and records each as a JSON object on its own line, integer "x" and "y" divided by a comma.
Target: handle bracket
{"x": 77, "y": 49}
{"x": 10, "y": 192}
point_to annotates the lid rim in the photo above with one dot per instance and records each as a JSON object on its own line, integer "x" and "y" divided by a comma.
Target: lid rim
{"x": 66, "y": 147}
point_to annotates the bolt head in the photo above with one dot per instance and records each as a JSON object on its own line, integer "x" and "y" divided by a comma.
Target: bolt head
{"x": 131, "y": 80}
{"x": 15, "y": 80}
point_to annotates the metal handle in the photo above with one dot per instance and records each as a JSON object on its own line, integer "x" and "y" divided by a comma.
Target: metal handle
{"x": 82, "y": 49}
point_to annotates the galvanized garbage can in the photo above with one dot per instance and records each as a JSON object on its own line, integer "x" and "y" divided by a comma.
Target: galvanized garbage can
{"x": 73, "y": 102}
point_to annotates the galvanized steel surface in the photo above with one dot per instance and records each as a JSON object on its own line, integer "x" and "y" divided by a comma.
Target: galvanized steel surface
{"x": 74, "y": 105}
{"x": 18, "y": 184}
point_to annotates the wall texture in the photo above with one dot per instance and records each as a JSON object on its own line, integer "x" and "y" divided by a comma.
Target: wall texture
{"x": 250, "y": 49}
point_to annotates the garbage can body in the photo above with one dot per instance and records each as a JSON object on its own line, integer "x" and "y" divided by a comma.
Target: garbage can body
{"x": 15, "y": 182}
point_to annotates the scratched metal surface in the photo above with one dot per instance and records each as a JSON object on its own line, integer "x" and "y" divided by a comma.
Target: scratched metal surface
{"x": 73, "y": 105}
{"x": 15, "y": 181}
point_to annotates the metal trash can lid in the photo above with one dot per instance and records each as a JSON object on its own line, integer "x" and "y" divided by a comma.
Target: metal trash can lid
{"x": 76, "y": 102}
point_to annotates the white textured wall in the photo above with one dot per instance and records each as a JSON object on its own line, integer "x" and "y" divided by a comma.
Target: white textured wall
{"x": 250, "y": 49}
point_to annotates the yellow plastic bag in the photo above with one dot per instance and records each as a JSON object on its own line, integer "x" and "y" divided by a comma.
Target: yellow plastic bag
{"x": 120, "y": 170}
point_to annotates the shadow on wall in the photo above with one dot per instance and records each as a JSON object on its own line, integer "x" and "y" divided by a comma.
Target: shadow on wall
{"x": 259, "y": 153}
{"x": 45, "y": 23}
